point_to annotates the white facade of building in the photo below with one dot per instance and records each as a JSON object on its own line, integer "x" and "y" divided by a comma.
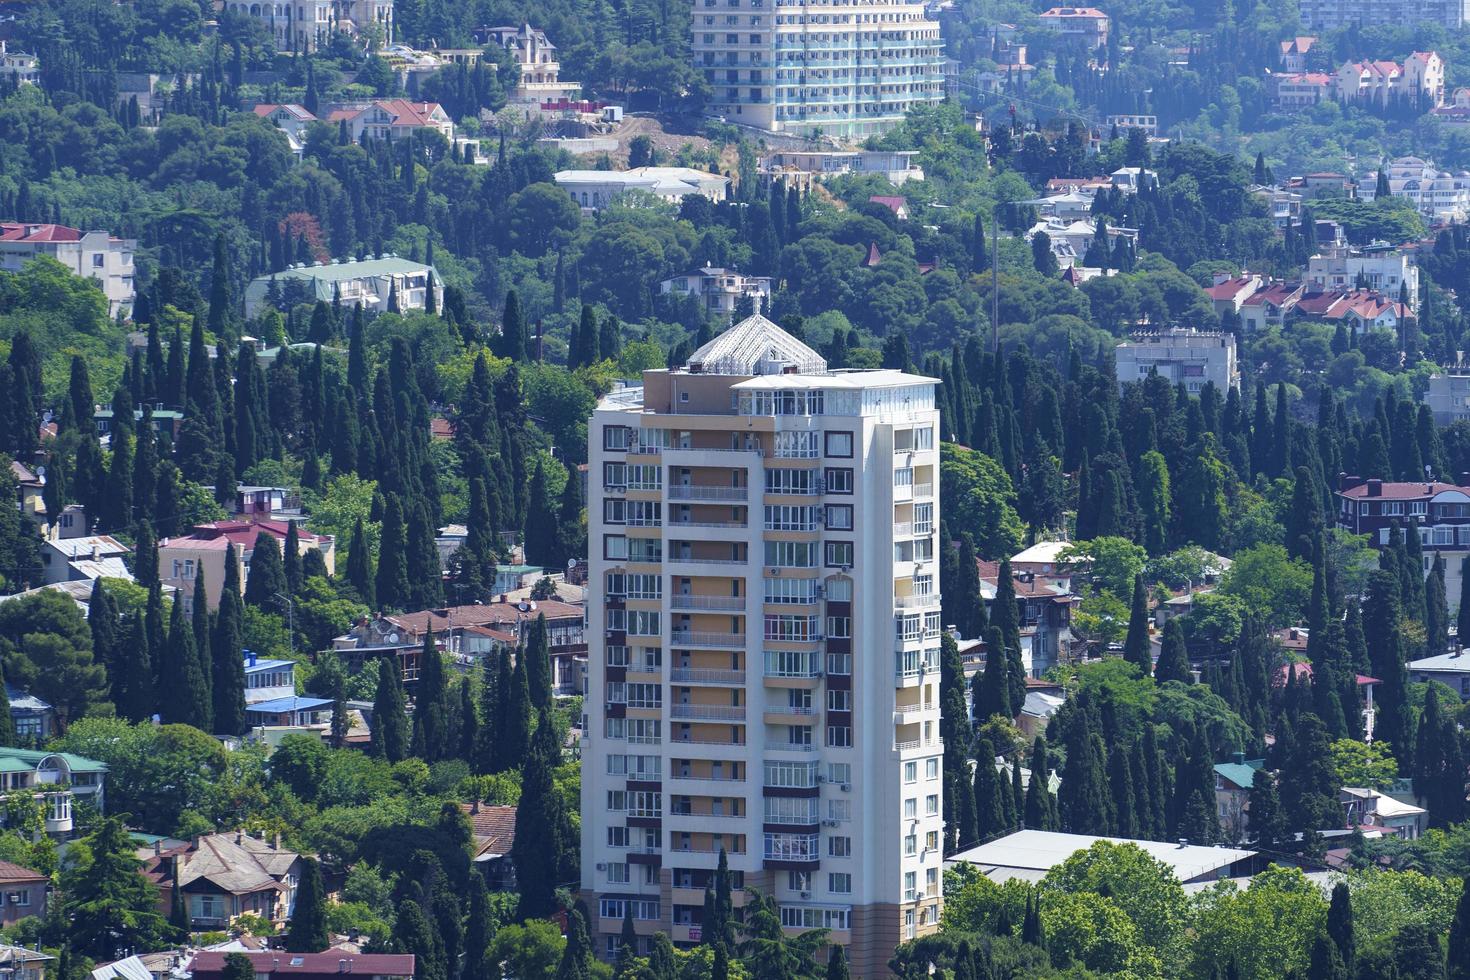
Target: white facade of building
{"x": 305, "y": 25}
{"x": 24, "y": 68}
{"x": 1439, "y": 195}
{"x": 1381, "y": 268}
{"x": 809, "y": 67}
{"x": 1183, "y": 356}
{"x": 94, "y": 254}
{"x": 1449, "y": 395}
{"x": 719, "y": 290}
{"x": 534, "y": 53}
{"x": 594, "y": 189}
{"x": 368, "y": 283}
{"x": 763, "y": 665}
{"x": 1334, "y": 14}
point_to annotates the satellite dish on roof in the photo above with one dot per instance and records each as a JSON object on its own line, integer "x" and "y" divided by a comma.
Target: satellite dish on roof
{"x": 571, "y": 563}
{"x": 392, "y": 637}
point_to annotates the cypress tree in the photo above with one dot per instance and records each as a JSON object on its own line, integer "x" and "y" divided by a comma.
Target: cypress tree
{"x": 538, "y": 663}
{"x": 83, "y": 402}
{"x": 390, "y": 718}
{"x": 837, "y": 964}
{"x": 132, "y": 674}
{"x": 1136, "y": 644}
{"x": 414, "y": 932}
{"x": 1006, "y": 616}
{"x": 199, "y": 608}
{"x": 540, "y": 529}
{"x": 537, "y": 850}
{"x": 307, "y": 928}
{"x": 431, "y": 705}
{"x": 267, "y": 578}
{"x": 183, "y": 696}
{"x": 992, "y": 689}
{"x": 515, "y": 740}
{"x": 1017, "y": 795}
{"x": 1462, "y": 614}
{"x": 360, "y": 566}
{"x": 291, "y": 559}
{"x": 1340, "y": 924}
{"x": 513, "y": 343}
{"x": 989, "y": 818}
{"x": 228, "y": 675}
{"x": 1459, "y": 939}
{"x": 1173, "y": 656}
{"x": 1436, "y": 610}
{"x": 103, "y": 625}
{"x": 487, "y": 748}
{"x": 7, "y": 723}
{"x": 1041, "y": 806}
{"x": 480, "y": 928}
{"x": 1326, "y": 962}
{"x": 391, "y": 582}
{"x": 1120, "y": 781}
{"x": 576, "y": 955}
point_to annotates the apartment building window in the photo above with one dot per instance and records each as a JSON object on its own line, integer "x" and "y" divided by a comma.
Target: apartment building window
{"x": 839, "y": 589}
{"x": 645, "y": 476}
{"x": 614, "y": 547}
{"x": 615, "y": 728}
{"x": 798, "y": 881}
{"x": 903, "y": 476}
{"x": 799, "y": 734}
{"x": 931, "y": 882}
{"x": 911, "y": 808}
{"x": 797, "y": 445}
{"x": 806, "y": 917}
{"x": 798, "y": 629}
{"x": 617, "y": 873}
{"x": 783, "y": 517}
{"x": 642, "y": 909}
{"x": 931, "y": 841}
{"x": 792, "y": 663}
{"x": 839, "y": 445}
{"x": 791, "y": 554}
{"x": 644, "y": 586}
{"x": 645, "y": 696}
{"x": 791, "y": 481}
{"x": 839, "y": 554}
{"x": 615, "y": 438}
{"x": 910, "y": 886}
{"x": 931, "y": 768}
{"x": 839, "y": 773}
{"x": 839, "y": 847}
{"x": 923, "y": 518}
{"x": 910, "y": 772}
{"x": 839, "y": 517}
{"x": 617, "y": 656}
{"x": 931, "y": 805}
{"x": 839, "y": 663}
{"x": 617, "y": 692}
{"x": 839, "y": 883}
{"x": 614, "y": 476}
{"x": 839, "y": 700}
{"x": 792, "y": 590}
{"x": 839, "y": 480}
{"x": 617, "y": 800}
{"x": 790, "y": 810}
{"x": 839, "y": 736}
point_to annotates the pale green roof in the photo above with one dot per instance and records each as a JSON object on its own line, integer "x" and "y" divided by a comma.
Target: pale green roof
{"x": 31, "y": 758}
{"x": 391, "y": 266}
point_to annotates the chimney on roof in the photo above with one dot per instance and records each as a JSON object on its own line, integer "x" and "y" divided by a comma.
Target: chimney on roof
{"x": 1375, "y": 488}
{"x": 475, "y": 806}
{"x": 157, "y": 848}
{"x": 1238, "y": 758}
{"x": 239, "y": 837}
{"x": 1345, "y": 482}
{"x": 276, "y": 842}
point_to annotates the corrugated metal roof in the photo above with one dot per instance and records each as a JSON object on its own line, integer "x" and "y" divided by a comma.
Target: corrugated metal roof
{"x": 755, "y": 345}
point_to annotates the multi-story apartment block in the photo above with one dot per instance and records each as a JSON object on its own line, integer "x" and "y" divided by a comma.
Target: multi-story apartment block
{"x": 1085, "y": 25}
{"x": 1183, "y": 356}
{"x": 1449, "y": 394}
{"x": 1419, "y": 81}
{"x": 763, "y": 665}
{"x": 305, "y": 25}
{"x": 1440, "y": 196}
{"x": 1329, "y": 15}
{"x": 94, "y": 254}
{"x": 1440, "y": 512}
{"x": 810, "y": 67}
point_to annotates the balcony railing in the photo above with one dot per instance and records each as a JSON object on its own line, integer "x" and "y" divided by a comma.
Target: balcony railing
{"x": 708, "y": 779}
{"x": 707, "y": 712}
{"x": 739, "y": 525}
{"x": 787, "y": 709}
{"x": 719, "y": 603}
{"x": 923, "y": 489}
{"x": 699, "y": 638}
{"x": 689, "y": 560}
{"x": 706, "y": 675}
{"x": 707, "y": 493}
{"x": 906, "y": 714}
{"x": 919, "y": 743}
{"x": 792, "y": 747}
{"x": 918, "y": 601}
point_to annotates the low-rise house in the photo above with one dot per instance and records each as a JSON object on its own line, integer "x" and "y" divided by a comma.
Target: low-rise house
{"x": 268, "y": 680}
{"x": 1229, "y": 293}
{"x": 23, "y": 893}
{"x": 1301, "y": 89}
{"x": 1036, "y": 713}
{"x": 594, "y": 189}
{"x": 898, "y": 205}
{"x": 494, "y": 831}
{"x": 225, "y": 876}
{"x": 1322, "y": 185}
{"x": 1131, "y": 180}
{"x": 1418, "y": 82}
{"x": 1449, "y": 393}
{"x": 1450, "y": 669}
{"x": 1368, "y": 807}
{"x": 292, "y": 711}
{"x": 535, "y": 56}
{"x": 1294, "y": 53}
{"x": 19, "y": 963}
{"x": 30, "y": 490}
{"x": 1184, "y": 356}
{"x": 372, "y": 283}
{"x": 84, "y": 559}
{"x": 391, "y": 119}
{"x": 1233, "y": 781}
{"x": 1269, "y": 306}
{"x": 1380, "y": 267}
{"x": 292, "y": 120}
{"x": 1442, "y": 511}
{"x": 1071, "y": 240}
{"x": 207, "y": 547}
{"x": 1456, "y": 113}
{"x": 719, "y": 291}
{"x": 1030, "y": 854}
{"x": 1357, "y": 309}
{"x": 165, "y": 421}
{"x": 1046, "y": 605}
{"x": 34, "y": 720}
{"x": 331, "y": 965}
{"x": 800, "y": 168}
{"x": 17, "y": 66}
{"x": 91, "y": 254}
{"x": 1087, "y": 26}
{"x": 57, "y": 778}
{"x": 1071, "y": 205}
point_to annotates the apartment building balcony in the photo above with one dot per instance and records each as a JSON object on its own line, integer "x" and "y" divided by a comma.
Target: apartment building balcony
{"x": 913, "y": 744}
{"x": 782, "y": 714}
{"x": 706, "y": 675}
{"x": 682, "y": 492}
{"x": 706, "y": 712}
{"x": 931, "y": 601}
{"x": 910, "y": 714}
{"x": 802, "y": 747}
{"x": 710, "y": 525}
{"x": 712, "y": 603}
{"x": 700, "y": 638}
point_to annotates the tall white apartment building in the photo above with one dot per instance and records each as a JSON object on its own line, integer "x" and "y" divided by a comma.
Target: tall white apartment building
{"x": 93, "y": 254}
{"x": 763, "y": 666}
{"x": 843, "y": 68}
{"x": 1329, "y": 15}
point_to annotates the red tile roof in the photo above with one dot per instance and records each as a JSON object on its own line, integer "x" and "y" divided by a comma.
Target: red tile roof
{"x": 494, "y": 827}
{"x": 1231, "y": 288}
{"x": 14, "y": 232}
{"x": 487, "y": 615}
{"x": 237, "y": 532}
{"x": 14, "y": 874}
{"x": 1404, "y": 491}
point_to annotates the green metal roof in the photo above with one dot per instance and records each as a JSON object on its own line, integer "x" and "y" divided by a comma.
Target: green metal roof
{"x": 23, "y": 759}
{"x": 1242, "y": 774}
{"x": 352, "y": 270}
{"x": 14, "y": 765}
